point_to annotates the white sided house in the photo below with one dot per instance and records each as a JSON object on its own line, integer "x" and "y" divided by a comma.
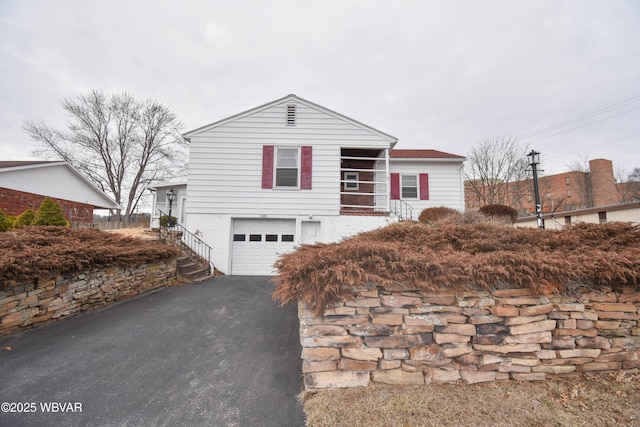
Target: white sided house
{"x": 292, "y": 172}
{"x": 24, "y": 184}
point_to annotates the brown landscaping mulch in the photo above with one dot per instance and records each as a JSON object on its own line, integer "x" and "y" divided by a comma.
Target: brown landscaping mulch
{"x": 460, "y": 257}
{"x": 602, "y": 400}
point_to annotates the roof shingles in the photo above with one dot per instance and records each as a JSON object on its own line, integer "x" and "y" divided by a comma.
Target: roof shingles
{"x": 422, "y": 154}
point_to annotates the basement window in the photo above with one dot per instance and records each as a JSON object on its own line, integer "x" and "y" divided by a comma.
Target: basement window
{"x": 602, "y": 217}
{"x": 291, "y": 115}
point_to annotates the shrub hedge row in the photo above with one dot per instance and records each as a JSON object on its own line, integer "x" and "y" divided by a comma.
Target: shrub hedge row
{"x": 462, "y": 256}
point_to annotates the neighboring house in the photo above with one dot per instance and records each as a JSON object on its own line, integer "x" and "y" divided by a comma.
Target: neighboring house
{"x": 25, "y": 184}
{"x": 292, "y": 172}
{"x": 626, "y": 212}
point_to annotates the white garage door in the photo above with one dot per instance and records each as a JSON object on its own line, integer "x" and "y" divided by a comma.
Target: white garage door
{"x": 257, "y": 243}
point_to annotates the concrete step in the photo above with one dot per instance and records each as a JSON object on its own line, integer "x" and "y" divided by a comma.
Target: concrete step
{"x": 191, "y": 270}
{"x": 196, "y": 275}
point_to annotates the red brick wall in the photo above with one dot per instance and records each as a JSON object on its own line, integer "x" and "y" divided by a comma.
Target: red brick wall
{"x": 603, "y": 183}
{"x": 565, "y": 191}
{"x": 357, "y": 198}
{"x": 13, "y": 202}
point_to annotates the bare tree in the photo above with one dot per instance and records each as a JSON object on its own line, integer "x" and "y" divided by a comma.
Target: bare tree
{"x": 554, "y": 202}
{"x": 119, "y": 143}
{"x": 634, "y": 176}
{"x": 495, "y": 170}
{"x": 629, "y": 189}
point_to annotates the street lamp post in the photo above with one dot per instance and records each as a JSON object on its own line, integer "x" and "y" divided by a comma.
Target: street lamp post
{"x": 534, "y": 161}
{"x": 171, "y": 196}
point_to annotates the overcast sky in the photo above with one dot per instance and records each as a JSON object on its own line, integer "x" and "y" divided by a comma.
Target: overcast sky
{"x": 435, "y": 74}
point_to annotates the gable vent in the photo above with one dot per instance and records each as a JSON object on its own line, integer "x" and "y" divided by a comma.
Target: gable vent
{"x": 291, "y": 115}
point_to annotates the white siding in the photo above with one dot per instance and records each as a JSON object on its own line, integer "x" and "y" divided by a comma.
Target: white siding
{"x": 225, "y": 164}
{"x": 445, "y": 182}
{"x": 57, "y": 181}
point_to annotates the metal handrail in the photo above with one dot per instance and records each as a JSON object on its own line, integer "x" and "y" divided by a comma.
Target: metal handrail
{"x": 401, "y": 208}
{"x": 187, "y": 239}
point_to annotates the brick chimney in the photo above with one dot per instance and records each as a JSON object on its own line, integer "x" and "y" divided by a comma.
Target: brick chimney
{"x": 603, "y": 184}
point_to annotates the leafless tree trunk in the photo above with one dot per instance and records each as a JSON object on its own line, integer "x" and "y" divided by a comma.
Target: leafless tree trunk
{"x": 120, "y": 144}
{"x": 492, "y": 170}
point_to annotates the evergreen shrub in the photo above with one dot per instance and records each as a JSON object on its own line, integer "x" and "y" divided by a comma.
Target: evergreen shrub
{"x": 5, "y": 222}
{"x": 25, "y": 219}
{"x": 166, "y": 221}
{"x": 50, "y": 213}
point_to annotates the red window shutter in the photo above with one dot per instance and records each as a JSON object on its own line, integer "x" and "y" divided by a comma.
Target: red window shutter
{"x": 424, "y": 186}
{"x": 267, "y": 166}
{"x": 306, "y": 162}
{"x": 395, "y": 186}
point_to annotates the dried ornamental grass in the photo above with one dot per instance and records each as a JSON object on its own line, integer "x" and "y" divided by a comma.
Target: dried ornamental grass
{"x": 601, "y": 400}
{"x": 461, "y": 256}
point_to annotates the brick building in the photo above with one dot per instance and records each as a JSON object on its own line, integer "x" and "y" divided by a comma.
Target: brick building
{"x": 25, "y": 184}
{"x": 566, "y": 191}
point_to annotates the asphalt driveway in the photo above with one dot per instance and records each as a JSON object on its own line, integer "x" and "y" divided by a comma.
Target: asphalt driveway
{"x": 219, "y": 353}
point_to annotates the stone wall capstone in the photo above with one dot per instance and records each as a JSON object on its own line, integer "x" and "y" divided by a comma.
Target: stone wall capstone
{"x": 63, "y": 295}
{"x": 406, "y": 336}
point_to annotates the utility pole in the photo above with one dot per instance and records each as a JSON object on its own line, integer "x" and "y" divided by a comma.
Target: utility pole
{"x": 534, "y": 161}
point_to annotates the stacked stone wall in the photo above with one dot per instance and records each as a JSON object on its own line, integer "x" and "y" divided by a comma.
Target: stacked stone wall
{"x": 59, "y": 296}
{"x": 404, "y": 336}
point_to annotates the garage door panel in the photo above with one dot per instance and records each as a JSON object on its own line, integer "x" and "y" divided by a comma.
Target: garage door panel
{"x": 257, "y": 244}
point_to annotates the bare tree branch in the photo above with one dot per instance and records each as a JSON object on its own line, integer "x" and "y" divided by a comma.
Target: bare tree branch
{"x": 119, "y": 143}
{"x": 492, "y": 166}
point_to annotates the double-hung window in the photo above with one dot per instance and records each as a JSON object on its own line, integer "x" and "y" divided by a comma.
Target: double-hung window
{"x": 409, "y": 186}
{"x": 287, "y": 167}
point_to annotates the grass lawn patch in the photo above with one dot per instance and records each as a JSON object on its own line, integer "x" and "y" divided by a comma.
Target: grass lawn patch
{"x": 602, "y": 400}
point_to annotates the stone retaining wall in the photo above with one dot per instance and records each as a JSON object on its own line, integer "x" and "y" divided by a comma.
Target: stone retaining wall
{"x": 51, "y": 298}
{"x": 403, "y": 336}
